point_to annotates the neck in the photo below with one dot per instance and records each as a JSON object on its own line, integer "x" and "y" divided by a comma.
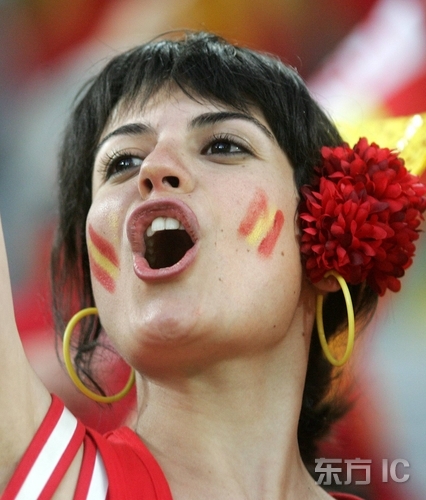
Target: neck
{"x": 230, "y": 430}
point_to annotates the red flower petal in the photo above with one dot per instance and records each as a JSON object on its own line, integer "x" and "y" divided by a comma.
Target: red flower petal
{"x": 360, "y": 216}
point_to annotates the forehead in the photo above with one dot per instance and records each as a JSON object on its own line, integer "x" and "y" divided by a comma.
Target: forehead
{"x": 179, "y": 105}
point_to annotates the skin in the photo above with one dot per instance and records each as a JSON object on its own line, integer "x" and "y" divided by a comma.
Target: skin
{"x": 228, "y": 270}
{"x": 221, "y": 348}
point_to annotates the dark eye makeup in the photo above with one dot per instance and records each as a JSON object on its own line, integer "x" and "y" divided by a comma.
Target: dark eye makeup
{"x": 126, "y": 161}
{"x": 226, "y": 144}
{"x": 118, "y": 163}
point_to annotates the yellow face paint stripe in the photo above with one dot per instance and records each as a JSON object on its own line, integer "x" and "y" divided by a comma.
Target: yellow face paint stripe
{"x": 102, "y": 261}
{"x": 261, "y": 228}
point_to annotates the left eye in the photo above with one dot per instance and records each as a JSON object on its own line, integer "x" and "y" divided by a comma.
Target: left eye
{"x": 224, "y": 146}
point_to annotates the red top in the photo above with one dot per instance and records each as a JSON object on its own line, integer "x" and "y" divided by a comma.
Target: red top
{"x": 115, "y": 466}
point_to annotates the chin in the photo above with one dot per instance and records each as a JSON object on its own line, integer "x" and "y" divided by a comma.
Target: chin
{"x": 169, "y": 329}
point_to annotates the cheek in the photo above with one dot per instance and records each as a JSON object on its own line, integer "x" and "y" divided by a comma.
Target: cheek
{"x": 102, "y": 241}
{"x": 262, "y": 224}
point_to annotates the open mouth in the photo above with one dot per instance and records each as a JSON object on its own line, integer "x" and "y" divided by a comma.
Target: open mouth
{"x": 164, "y": 238}
{"x": 166, "y": 242}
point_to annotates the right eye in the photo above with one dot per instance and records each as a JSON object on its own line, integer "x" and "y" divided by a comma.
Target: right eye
{"x": 121, "y": 163}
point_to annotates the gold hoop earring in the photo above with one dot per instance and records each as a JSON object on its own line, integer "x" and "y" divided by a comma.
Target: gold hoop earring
{"x": 71, "y": 370}
{"x": 351, "y": 322}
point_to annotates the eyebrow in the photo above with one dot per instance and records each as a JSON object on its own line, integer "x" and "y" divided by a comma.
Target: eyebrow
{"x": 136, "y": 128}
{"x": 202, "y": 120}
{"x": 221, "y": 116}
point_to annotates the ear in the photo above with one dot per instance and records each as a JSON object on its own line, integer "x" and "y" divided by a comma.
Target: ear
{"x": 326, "y": 285}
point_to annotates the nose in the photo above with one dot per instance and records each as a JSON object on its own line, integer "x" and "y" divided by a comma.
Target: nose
{"x": 164, "y": 171}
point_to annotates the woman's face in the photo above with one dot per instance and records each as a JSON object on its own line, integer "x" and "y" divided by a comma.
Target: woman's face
{"x": 191, "y": 234}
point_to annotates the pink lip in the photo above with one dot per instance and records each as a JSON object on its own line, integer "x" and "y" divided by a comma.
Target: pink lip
{"x": 139, "y": 221}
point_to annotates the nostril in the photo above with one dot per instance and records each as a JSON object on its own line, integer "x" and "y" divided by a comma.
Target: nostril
{"x": 171, "y": 180}
{"x": 148, "y": 184}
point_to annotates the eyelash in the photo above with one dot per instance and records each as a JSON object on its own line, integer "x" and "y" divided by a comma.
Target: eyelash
{"x": 112, "y": 160}
{"x": 232, "y": 141}
{"x": 109, "y": 164}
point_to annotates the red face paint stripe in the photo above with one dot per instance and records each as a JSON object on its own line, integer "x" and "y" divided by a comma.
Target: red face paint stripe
{"x": 268, "y": 243}
{"x": 104, "y": 246}
{"x": 102, "y": 276}
{"x": 256, "y": 209}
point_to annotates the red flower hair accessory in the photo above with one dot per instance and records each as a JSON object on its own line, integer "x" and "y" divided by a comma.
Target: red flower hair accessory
{"x": 360, "y": 217}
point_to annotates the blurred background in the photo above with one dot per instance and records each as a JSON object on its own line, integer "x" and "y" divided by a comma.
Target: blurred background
{"x": 361, "y": 59}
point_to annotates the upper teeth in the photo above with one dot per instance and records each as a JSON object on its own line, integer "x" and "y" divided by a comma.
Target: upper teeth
{"x": 162, "y": 224}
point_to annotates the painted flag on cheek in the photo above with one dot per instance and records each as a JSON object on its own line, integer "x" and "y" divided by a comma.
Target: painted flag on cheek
{"x": 262, "y": 225}
{"x": 103, "y": 258}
